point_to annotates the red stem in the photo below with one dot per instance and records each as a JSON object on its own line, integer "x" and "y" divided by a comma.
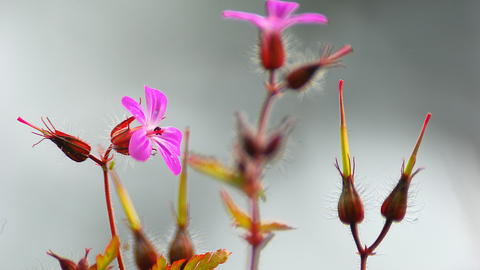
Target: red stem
{"x": 256, "y": 240}
{"x": 111, "y": 220}
{"x": 367, "y": 251}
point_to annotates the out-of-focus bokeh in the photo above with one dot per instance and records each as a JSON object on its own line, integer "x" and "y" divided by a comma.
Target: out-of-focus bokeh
{"x": 73, "y": 61}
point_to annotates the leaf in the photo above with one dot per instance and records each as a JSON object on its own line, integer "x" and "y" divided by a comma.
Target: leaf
{"x": 241, "y": 219}
{"x": 215, "y": 169}
{"x": 110, "y": 253}
{"x": 274, "y": 226}
{"x": 161, "y": 264}
{"x": 127, "y": 205}
{"x": 176, "y": 265}
{"x": 207, "y": 261}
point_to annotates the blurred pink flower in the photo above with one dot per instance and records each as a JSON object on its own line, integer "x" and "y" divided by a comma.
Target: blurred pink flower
{"x": 166, "y": 139}
{"x": 279, "y": 16}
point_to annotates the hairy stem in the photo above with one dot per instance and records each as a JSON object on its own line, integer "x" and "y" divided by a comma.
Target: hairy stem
{"x": 103, "y": 163}
{"x": 255, "y": 233}
{"x": 364, "y": 253}
{"x": 383, "y": 233}
{"x": 111, "y": 219}
{"x": 356, "y": 237}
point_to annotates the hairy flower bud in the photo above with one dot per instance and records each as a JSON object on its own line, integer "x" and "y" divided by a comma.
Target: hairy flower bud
{"x": 270, "y": 146}
{"x": 299, "y": 77}
{"x": 181, "y": 247}
{"x": 303, "y": 75}
{"x": 67, "y": 264}
{"x": 74, "y": 148}
{"x": 350, "y": 205}
{"x": 395, "y": 205}
{"x": 271, "y": 50}
{"x": 145, "y": 254}
{"x": 121, "y": 135}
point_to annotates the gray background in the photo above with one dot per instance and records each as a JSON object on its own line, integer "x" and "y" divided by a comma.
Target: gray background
{"x": 73, "y": 61}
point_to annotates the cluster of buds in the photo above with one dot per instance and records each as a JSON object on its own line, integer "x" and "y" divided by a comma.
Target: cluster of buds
{"x": 350, "y": 206}
{"x": 102, "y": 262}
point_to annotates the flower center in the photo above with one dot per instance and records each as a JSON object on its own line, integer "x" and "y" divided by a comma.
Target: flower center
{"x": 155, "y": 131}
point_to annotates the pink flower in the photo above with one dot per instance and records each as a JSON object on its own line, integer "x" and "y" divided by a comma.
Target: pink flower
{"x": 166, "y": 139}
{"x": 279, "y": 16}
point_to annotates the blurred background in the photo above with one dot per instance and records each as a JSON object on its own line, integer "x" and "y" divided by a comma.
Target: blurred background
{"x": 73, "y": 61}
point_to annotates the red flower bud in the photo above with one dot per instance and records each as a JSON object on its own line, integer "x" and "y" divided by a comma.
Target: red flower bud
{"x": 350, "y": 205}
{"x": 270, "y": 148}
{"x": 145, "y": 254}
{"x": 181, "y": 247}
{"x": 395, "y": 206}
{"x": 76, "y": 149}
{"x": 67, "y": 264}
{"x": 303, "y": 75}
{"x": 299, "y": 77}
{"x": 271, "y": 50}
{"x": 120, "y": 136}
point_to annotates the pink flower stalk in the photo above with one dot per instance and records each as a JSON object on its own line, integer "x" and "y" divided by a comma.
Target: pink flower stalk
{"x": 166, "y": 139}
{"x": 279, "y": 16}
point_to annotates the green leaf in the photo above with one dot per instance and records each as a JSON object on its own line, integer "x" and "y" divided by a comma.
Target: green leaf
{"x": 110, "y": 253}
{"x": 241, "y": 219}
{"x": 207, "y": 261}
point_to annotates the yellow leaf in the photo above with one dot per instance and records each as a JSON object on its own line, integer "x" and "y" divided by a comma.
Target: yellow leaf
{"x": 274, "y": 226}
{"x": 241, "y": 219}
{"x": 110, "y": 253}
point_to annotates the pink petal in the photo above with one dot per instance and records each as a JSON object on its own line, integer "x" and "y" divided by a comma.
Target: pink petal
{"x": 169, "y": 146}
{"x": 140, "y": 147}
{"x": 280, "y": 9}
{"x": 308, "y": 18}
{"x": 255, "y": 19}
{"x": 170, "y": 138}
{"x": 135, "y": 109}
{"x": 156, "y": 106}
{"x": 170, "y": 158}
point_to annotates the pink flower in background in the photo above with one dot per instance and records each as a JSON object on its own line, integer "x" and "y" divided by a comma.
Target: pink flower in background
{"x": 166, "y": 139}
{"x": 279, "y": 16}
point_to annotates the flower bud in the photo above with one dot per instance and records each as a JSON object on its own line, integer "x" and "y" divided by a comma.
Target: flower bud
{"x": 276, "y": 141}
{"x": 303, "y": 75}
{"x": 395, "y": 206}
{"x": 67, "y": 264}
{"x": 120, "y": 136}
{"x": 271, "y": 50}
{"x": 181, "y": 247}
{"x": 270, "y": 146}
{"x": 145, "y": 254}
{"x": 350, "y": 205}
{"x": 299, "y": 77}
{"x": 74, "y": 148}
